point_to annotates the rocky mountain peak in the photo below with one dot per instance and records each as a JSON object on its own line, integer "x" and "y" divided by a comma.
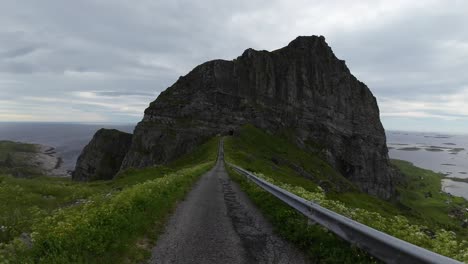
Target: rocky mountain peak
{"x": 302, "y": 88}
{"x": 302, "y": 42}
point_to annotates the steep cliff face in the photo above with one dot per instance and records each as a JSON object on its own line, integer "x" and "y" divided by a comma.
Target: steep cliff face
{"x": 302, "y": 88}
{"x": 102, "y": 157}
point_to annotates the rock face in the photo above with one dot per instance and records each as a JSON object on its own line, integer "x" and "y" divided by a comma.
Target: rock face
{"x": 302, "y": 88}
{"x": 102, "y": 157}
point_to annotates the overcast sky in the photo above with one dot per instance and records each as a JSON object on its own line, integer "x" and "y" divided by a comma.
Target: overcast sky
{"x": 106, "y": 60}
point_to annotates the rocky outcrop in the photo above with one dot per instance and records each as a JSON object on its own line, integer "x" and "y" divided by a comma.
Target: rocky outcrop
{"x": 102, "y": 157}
{"x": 302, "y": 88}
{"x": 24, "y": 160}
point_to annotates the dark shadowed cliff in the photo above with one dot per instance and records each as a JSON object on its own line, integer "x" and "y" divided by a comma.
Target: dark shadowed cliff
{"x": 301, "y": 89}
{"x": 102, "y": 157}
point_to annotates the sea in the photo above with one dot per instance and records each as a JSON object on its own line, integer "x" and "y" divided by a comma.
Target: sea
{"x": 443, "y": 153}
{"x": 447, "y": 154}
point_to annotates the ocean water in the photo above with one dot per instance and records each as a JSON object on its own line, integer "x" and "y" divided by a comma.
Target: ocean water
{"x": 68, "y": 139}
{"x": 447, "y": 154}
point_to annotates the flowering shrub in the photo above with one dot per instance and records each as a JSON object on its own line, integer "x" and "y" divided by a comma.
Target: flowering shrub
{"x": 442, "y": 241}
{"x": 104, "y": 225}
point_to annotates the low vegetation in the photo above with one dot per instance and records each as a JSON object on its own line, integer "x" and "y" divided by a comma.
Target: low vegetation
{"x": 24, "y": 201}
{"x": 421, "y": 194}
{"x": 48, "y": 220}
{"x": 441, "y": 241}
{"x": 406, "y": 219}
{"x": 320, "y": 245}
{"x": 8, "y": 147}
{"x": 55, "y": 220}
{"x": 15, "y": 158}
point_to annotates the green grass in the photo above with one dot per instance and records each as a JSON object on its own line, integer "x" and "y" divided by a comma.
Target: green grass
{"x": 320, "y": 245}
{"x": 118, "y": 221}
{"x": 256, "y": 150}
{"x": 7, "y": 147}
{"x": 15, "y": 158}
{"x": 367, "y": 202}
{"x": 101, "y": 230}
{"x": 419, "y": 220}
{"x": 24, "y": 201}
{"x": 434, "y": 209}
{"x": 109, "y": 223}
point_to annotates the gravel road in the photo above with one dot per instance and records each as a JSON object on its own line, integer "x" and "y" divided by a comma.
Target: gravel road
{"x": 217, "y": 223}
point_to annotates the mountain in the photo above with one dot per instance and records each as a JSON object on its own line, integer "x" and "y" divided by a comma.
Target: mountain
{"x": 301, "y": 90}
{"x": 102, "y": 157}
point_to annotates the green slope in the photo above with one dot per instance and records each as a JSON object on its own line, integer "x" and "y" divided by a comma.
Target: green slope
{"x": 258, "y": 151}
{"x": 421, "y": 193}
{"x": 414, "y": 218}
{"x": 97, "y": 222}
{"x": 106, "y": 221}
{"x": 15, "y": 158}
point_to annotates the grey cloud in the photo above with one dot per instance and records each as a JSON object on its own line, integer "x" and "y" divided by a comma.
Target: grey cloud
{"x": 409, "y": 56}
{"x": 119, "y": 94}
{"x": 126, "y": 49}
{"x": 18, "y": 52}
{"x": 18, "y": 67}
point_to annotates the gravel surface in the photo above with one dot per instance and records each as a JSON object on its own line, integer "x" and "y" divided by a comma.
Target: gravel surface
{"x": 217, "y": 223}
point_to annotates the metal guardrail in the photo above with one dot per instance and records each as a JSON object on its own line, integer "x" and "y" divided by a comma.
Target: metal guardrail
{"x": 380, "y": 245}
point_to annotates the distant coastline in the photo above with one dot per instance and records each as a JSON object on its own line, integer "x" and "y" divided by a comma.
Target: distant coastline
{"x": 456, "y": 179}
{"x": 52, "y": 164}
{"x": 442, "y": 153}
{"x": 25, "y": 160}
{"x": 67, "y": 139}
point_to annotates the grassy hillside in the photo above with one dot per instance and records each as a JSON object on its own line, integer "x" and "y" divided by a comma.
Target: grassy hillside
{"x": 258, "y": 151}
{"x": 108, "y": 221}
{"x": 415, "y": 218}
{"x": 7, "y": 147}
{"x": 94, "y": 222}
{"x": 421, "y": 193}
{"x": 320, "y": 245}
{"x": 15, "y": 158}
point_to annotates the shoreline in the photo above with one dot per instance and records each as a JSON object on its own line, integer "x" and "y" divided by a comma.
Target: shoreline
{"x": 456, "y": 179}
{"x": 446, "y": 187}
{"x": 51, "y": 164}
{"x": 25, "y": 160}
{"x": 455, "y": 186}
